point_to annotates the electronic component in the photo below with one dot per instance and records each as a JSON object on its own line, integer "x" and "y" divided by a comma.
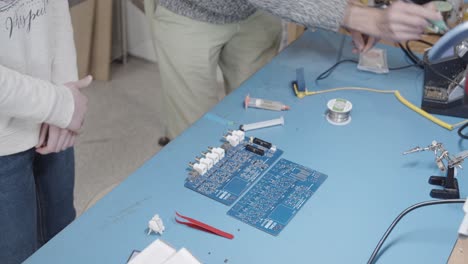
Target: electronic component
{"x": 199, "y": 167}
{"x": 232, "y": 139}
{"x": 261, "y": 142}
{"x": 219, "y": 151}
{"x": 208, "y": 162}
{"x": 211, "y": 156}
{"x": 239, "y": 134}
{"x": 255, "y": 150}
{"x": 274, "y": 200}
{"x": 444, "y": 74}
{"x": 228, "y": 179}
{"x": 156, "y": 225}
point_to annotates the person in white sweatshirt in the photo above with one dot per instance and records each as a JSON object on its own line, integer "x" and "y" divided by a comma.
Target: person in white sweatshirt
{"x": 41, "y": 111}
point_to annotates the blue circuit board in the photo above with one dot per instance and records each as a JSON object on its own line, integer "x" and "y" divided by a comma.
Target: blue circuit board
{"x": 274, "y": 200}
{"x": 235, "y": 173}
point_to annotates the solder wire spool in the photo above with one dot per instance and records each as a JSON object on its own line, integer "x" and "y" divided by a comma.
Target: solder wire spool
{"x": 339, "y": 112}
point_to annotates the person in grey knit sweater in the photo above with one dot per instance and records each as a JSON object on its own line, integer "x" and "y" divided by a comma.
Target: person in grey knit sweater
{"x": 194, "y": 37}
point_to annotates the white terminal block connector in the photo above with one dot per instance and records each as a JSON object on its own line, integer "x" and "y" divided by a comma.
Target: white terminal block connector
{"x": 240, "y": 134}
{"x": 219, "y": 151}
{"x": 156, "y": 225}
{"x": 212, "y": 156}
{"x": 233, "y": 140}
{"x": 199, "y": 167}
{"x": 208, "y": 162}
{"x": 463, "y": 230}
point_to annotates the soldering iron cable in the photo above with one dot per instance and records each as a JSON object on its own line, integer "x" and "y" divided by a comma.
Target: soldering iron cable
{"x": 373, "y": 257}
{"x": 397, "y": 94}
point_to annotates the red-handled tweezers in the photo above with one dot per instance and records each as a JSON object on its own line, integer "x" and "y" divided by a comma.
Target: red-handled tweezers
{"x": 202, "y": 226}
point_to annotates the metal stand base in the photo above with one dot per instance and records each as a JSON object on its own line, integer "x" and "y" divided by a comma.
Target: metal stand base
{"x": 449, "y": 183}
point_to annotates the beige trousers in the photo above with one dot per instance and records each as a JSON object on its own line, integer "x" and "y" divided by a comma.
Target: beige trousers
{"x": 190, "y": 51}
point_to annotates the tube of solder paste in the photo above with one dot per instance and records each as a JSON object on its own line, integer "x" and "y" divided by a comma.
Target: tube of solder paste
{"x": 264, "y": 104}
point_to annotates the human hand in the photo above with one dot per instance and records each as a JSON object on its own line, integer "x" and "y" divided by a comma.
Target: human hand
{"x": 80, "y": 101}
{"x": 53, "y": 139}
{"x": 362, "y": 43}
{"x": 406, "y": 21}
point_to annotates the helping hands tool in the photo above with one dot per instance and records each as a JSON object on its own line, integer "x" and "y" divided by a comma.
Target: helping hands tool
{"x": 449, "y": 183}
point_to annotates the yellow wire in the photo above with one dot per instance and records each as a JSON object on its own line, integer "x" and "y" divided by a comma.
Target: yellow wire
{"x": 397, "y": 95}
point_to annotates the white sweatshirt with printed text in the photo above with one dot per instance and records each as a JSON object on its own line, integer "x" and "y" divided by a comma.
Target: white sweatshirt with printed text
{"x": 37, "y": 56}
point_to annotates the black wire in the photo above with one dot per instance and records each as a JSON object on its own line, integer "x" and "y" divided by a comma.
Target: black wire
{"x": 460, "y": 131}
{"x": 327, "y": 72}
{"x": 403, "y": 67}
{"x": 401, "y": 215}
{"x": 409, "y": 53}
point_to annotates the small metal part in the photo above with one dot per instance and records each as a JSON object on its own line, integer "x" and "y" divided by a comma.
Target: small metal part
{"x": 462, "y": 49}
{"x": 442, "y": 154}
{"x": 434, "y": 93}
{"x": 413, "y": 150}
{"x": 255, "y": 150}
{"x": 458, "y": 159}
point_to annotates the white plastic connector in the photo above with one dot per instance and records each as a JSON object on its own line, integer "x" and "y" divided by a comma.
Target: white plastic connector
{"x": 156, "y": 225}
{"x": 199, "y": 167}
{"x": 463, "y": 230}
{"x": 219, "y": 151}
{"x": 233, "y": 140}
{"x": 208, "y": 162}
{"x": 212, "y": 156}
{"x": 239, "y": 134}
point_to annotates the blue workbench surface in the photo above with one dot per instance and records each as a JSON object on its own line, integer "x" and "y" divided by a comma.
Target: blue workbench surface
{"x": 369, "y": 180}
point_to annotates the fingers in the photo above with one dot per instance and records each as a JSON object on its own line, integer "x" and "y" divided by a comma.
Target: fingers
{"x": 371, "y": 41}
{"x": 58, "y": 140}
{"x": 427, "y": 11}
{"x": 81, "y": 104}
{"x": 407, "y": 21}
{"x": 83, "y": 83}
{"x": 50, "y": 145}
{"x": 42, "y": 135}
{"x": 64, "y": 136}
{"x": 70, "y": 141}
{"x": 358, "y": 41}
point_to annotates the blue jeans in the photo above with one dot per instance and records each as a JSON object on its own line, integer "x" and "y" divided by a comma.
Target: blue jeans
{"x": 36, "y": 201}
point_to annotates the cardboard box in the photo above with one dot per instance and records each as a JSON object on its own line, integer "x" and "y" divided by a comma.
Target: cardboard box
{"x": 92, "y": 24}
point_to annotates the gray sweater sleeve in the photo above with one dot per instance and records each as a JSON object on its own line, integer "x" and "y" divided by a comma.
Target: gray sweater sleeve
{"x": 326, "y": 14}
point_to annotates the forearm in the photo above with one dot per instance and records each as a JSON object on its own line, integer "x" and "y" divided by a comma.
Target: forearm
{"x": 362, "y": 18}
{"x": 326, "y": 14}
{"x": 25, "y": 97}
